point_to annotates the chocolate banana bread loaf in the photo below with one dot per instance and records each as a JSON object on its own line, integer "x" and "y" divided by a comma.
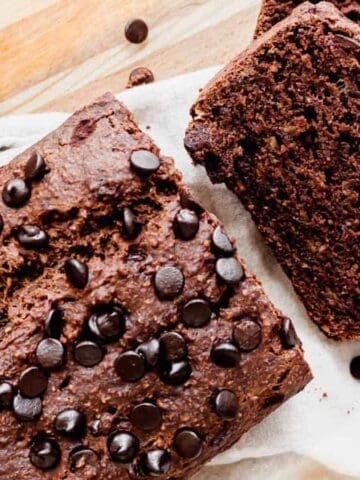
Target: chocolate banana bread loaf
{"x": 280, "y": 125}
{"x": 134, "y": 343}
{"x": 273, "y": 11}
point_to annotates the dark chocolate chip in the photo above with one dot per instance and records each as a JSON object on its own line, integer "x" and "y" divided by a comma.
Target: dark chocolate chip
{"x": 169, "y": 282}
{"x": 176, "y": 373}
{"x": 77, "y": 272}
{"x": 247, "y": 334}
{"x": 16, "y": 193}
{"x": 225, "y": 355}
{"x": 130, "y": 366}
{"x": 155, "y": 462}
{"x": 186, "y": 224}
{"x": 45, "y": 453}
{"x": 140, "y": 76}
{"x": 6, "y": 394}
{"x": 288, "y": 335}
{"x": 196, "y": 313}
{"x": 1, "y": 224}
{"x": 27, "y": 409}
{"x": 33, "y": 382}
{"x": 88, "y": 354}
{"x": 150, "y": 350}
{"x": 144, "y": 162}
{"x": 107, "y": 324}
{"x": 123, "y": 446}
{"x": 226, "y": 405}
{"x": 136, "y": 31}
{"x": 355, "y": 367}
{"x": 70, "y": 423}
{"x": 172, "y": 347}
{"x": 35, "y": 167}
{"x": 221, "y": 242}
{"x": 50, "y": 353}
{"x": 229, "y": 270}
{"x": 82, "y": 457}
{"x": 131, "y": 227}
{"x": 54, "y": 323}
{"x": 187, "y": 444}
{"x": 32, "y": 237}
{"x": 146, "y": 416}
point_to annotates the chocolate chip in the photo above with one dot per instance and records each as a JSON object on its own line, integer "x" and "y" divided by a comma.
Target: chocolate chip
{"x": 176, "y": 373}
{"x": 131, "y": 227}
{"x": 140, "y": 76}
{"x": 229, "y": 270}
{"x": 88, "y": 354}
{"x": 187, "y": 444}
{"x": 107, "y": 324}
{"x": 169, "y": 282}
{"x": 136, "y": 31}
{"x": 196, "y": 313}
{"x": 144, "y": 162}
{"x": 77, "y": 272}
{"x": 130, "y": 366}
{"x": 186, "y": 224}
{"x": 16, "y": 193}
{"x": 54, "y": 323}
{"x": 355, "y": 367}
{"x": 226, "y": 405}
{"x": 123, "y": 446}
{"x": 1, "y": 224}
{"x": 70, "y": 423}
{"x": 32, "y": 237}
{"x": 172, "y": 347}
{"x": 50, "y": 353}
{"x": 6, "y": 394}
{"x": 155, "y": 462}
{"x": 288, "y": 335}
{"x": 146, "y": 416}
{"x": 150, "y": 350}
{"x": 27, "y": 409}
{"x": 247, "y": 334}
{"x": 82, "y": 457}
{"x": 35, "y": 167}
{"x": 45, "y": 453}
{"x": 221, "y": 242}
{"x": 225, "y": 355}
{"x": 33, "y": 382}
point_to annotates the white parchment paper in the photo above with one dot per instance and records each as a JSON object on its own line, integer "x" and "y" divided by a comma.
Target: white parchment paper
{"x": 322, "y": 422}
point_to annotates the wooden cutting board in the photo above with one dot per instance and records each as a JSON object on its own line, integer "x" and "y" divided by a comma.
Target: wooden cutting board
{"x": 60, "y": 54}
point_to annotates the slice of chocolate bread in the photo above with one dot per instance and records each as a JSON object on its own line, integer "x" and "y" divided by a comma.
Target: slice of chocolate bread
{"x": 133, "y": 343}
{"x": 273, "y": 11}
{"x": 280, "y": 125}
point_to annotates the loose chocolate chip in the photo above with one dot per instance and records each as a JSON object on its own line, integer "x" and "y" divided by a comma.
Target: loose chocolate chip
{"x": 247, "y": 334}
{"x": 35, "y": 167}
{"x": 27, "y": 409}
{"x": 196, "y": 313}
{"x": 50, "y": 353}
{"x": 155, "y": 462}
{"x": 186, "y": 224}
{"x": 355, "y": 367}
{"x": 70, "y": 423}
{"x": 169, "y": 282}
{"x": 107, "y": 324}
{"x": 33, "y": 382}
{"x": 32, "y": 237}
{"x": 77, "y": 272}
{"x": 226, "y": 405}
{"x": 6, "y": 394}
{"x": 146, "y": 416}
{"x": 288, "y": 335}
{"x": 123, "y": 446}
{"x": 144, "y": 162}
{"x": 88, "y": 354}
{"x": 187, "y": 444}
{"x": 176, "y": 373}
{"x": 172, "y": 347}
{"x": 150, "y": 350}
{"x": 131, "y": 227}
{"x": 54, "y": 323}
{"x": 140, "y": 76}
{"x": 16, "y": 193}
{"x": 221, "y": 242}
{"x": 225, "y": 355}
{"x": 82, "y": 457}
{"x": 45, "y": 453}
{"x": 130, "y": 366}
{"x": 229, "y": 270}
{"x": 136, "y": 31}
{"x": 1, "y": 224}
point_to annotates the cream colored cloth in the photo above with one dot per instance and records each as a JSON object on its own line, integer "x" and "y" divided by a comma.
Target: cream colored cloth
{"x": 321, "y": 424}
